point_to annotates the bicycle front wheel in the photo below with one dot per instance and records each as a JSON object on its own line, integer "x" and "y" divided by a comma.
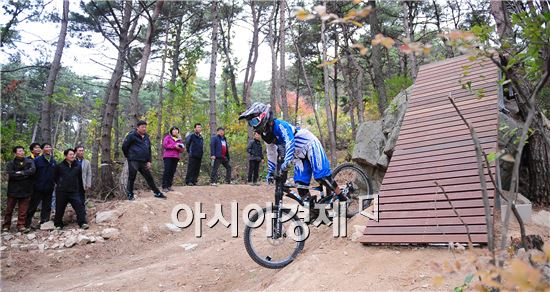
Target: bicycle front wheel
{"x": 352, "y": 177}
{"x": 274, "y": 245}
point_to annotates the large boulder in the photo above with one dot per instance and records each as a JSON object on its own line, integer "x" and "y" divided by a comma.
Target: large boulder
{"x": 394, "y": 114}
{"x": 370, "y": 143}
{"x": 107, "y": 216}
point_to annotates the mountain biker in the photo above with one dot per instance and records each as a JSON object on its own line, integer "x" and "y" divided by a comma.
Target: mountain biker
{"x": 300, "y": 145}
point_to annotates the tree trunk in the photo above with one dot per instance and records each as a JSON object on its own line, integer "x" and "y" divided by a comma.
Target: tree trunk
{"x": 46, "y": 113}
{"x": 310, "y": 92}
{"x": 410, "y": 35}
{"x": 252, "y": 55}
{"x": 226, "y": 46}
{"x": 335, "y": 82}
{"x": 376, "y": 60}
{"x": 282, "y": 55}
{"x": 328, "y": 110}
{"x": 174, "y": 73}
{"x": 161, "y": 86}
{"x": 272, "y": 34}
{"x": 95, "y": 155}
{"x": 213, "y": 64}
{"x": 116, "y": 129}
{"x": 112, "y": 98}
{"x": 448, "y": 49}
{"x": 136, "y": 85}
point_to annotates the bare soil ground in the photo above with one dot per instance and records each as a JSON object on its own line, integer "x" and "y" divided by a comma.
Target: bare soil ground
{"x": 148, "y": 256}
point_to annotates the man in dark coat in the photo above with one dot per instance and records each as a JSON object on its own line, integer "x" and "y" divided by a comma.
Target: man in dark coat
{"x": 20, "y": 172}
{"x": 255, "y": 157}
{"x": 44, "y": 184}
{"x": 137, "y": 149}
{"x": 68, "y": 179}
{"x": 219, "y": 154}
{"x": 194, "y": 144}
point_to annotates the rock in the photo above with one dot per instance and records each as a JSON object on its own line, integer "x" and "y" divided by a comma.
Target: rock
{"x": 541, "y": 218}
{"x": 110, "y": 233}
{"x": 383, "y": 161}
{"x": 189, "y": 246}
{"x": 394, "y": 114}
{"x": 27, "y": 247}
{"x": 3, "y": 248}
{"x": 370, "y": 143}
{"x": 47, "y": 226}
{"x": 99, "y": 239}
{"x": 172, "y": 227}
{"x": 15, "y": 245}
{"x": 83, "y": 240}
{"x": 392, "y": 140}
{"x": 107, "y": 216}
{"x": 93, "y": 239}
{"x": 31, "y": 236}
{"x": 8, "y": 237}
{"x": 41, "y": 247}
{"x": 70, "y": 242}
{"x": 358, "y": 232}
{"x": 145, "y": 228}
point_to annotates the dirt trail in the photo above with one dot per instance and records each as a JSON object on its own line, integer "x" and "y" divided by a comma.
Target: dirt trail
{"x": 148, "y": 256}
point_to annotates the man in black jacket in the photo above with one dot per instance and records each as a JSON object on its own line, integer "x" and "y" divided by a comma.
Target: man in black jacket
{"x": 255, "y": 157}
{"x": 194, "y": 144}
{"x": 68, "y": 179}
{"x": 137, "y": 149}
{"x": 20, "y": 172}
{"x": 44, "y": 184}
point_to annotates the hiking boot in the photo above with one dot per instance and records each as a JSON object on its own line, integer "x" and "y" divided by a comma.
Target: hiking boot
{"x": 23, "y": 229}
{"x": 59, "y": 227}
{"x": 84, "y": 226}
{"x": 131, "y": 197}
{"x": 160, "y": 195}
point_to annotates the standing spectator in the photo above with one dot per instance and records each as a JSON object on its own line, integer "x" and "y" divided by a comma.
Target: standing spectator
{"x": 173, "y": 147}
{"x": 86, "y": 172}
{"x": 255, "y": 157}
{"x": 20, "y": 172}
{"x": 68, "y": 179}
{"x": 137, "y": 149}
{"x": 44, "y": 183}
{"x": 35, "y": 149}
{"x": 194, "y": 144}
{"x": 219, "y": 154}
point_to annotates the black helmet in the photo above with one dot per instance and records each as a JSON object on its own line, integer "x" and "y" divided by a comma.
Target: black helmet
{"x": 257, "y": 115}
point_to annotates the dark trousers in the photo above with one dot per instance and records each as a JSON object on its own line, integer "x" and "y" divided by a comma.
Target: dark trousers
{"x": 61, "y": 201}
{"x": 45, "y": 211}
{"x": 253, "y": 170}
{"x": 141, "y": 166}
{"x": 170, "y": 165}
{"x": 193, "y": 169}
{"x": 22, "y": 206}
{"x": 216, "y": 166}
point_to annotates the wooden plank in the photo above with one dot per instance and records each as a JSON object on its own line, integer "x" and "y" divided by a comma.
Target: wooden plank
{"x": 432, "y": 189}
{"x": 383, "y": 215}
{"x": 447, "y": 121}
{"x": 490, "y": 124}
{"x": 442, "y": 143}
{"x": 490, "y": 92}
{"x": 417, "y": 230}
{"x": 457, "y": 67}
{"x": 424, "y": 152}
{"x": 468, "y": 113}
{"x": 440, "y": 205}
{"x": 458, "y": 165}
{"x": 427, "y": 183}
{"x": 427, "y": 221}
{"x": 387, "y": 198}
{"x": 448, "y": 108}
{"x": 452, "y": 83}
{"x": 432, "y": 176}
{"x": 426, "y": 238}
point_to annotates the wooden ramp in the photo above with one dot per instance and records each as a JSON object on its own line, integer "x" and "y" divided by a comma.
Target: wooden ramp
{"x": 435, "y": 145}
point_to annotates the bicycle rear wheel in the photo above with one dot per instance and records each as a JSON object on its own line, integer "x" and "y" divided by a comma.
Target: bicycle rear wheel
{"x": 351, "y": 176}
{"x": 270, "y": 248}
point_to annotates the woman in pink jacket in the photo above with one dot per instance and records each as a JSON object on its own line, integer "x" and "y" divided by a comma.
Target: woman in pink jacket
{"x": 173, "y": 146}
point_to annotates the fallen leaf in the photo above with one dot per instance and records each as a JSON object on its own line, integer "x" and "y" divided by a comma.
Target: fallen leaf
{"x": 303, "y": 15}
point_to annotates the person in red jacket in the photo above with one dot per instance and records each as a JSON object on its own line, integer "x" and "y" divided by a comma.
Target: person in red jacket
{"x": 173, "y": 147}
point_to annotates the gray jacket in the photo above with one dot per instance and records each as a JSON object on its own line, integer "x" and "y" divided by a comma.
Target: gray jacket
{"x": 86, "y": 174}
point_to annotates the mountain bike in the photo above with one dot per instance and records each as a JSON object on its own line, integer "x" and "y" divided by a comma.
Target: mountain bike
{"x": 283, "y": 235}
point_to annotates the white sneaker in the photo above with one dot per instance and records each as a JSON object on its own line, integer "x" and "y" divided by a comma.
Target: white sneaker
{"x": 214, "y": 184}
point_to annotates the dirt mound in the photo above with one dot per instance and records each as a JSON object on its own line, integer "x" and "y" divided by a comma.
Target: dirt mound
{"x": 150, "y": 254}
